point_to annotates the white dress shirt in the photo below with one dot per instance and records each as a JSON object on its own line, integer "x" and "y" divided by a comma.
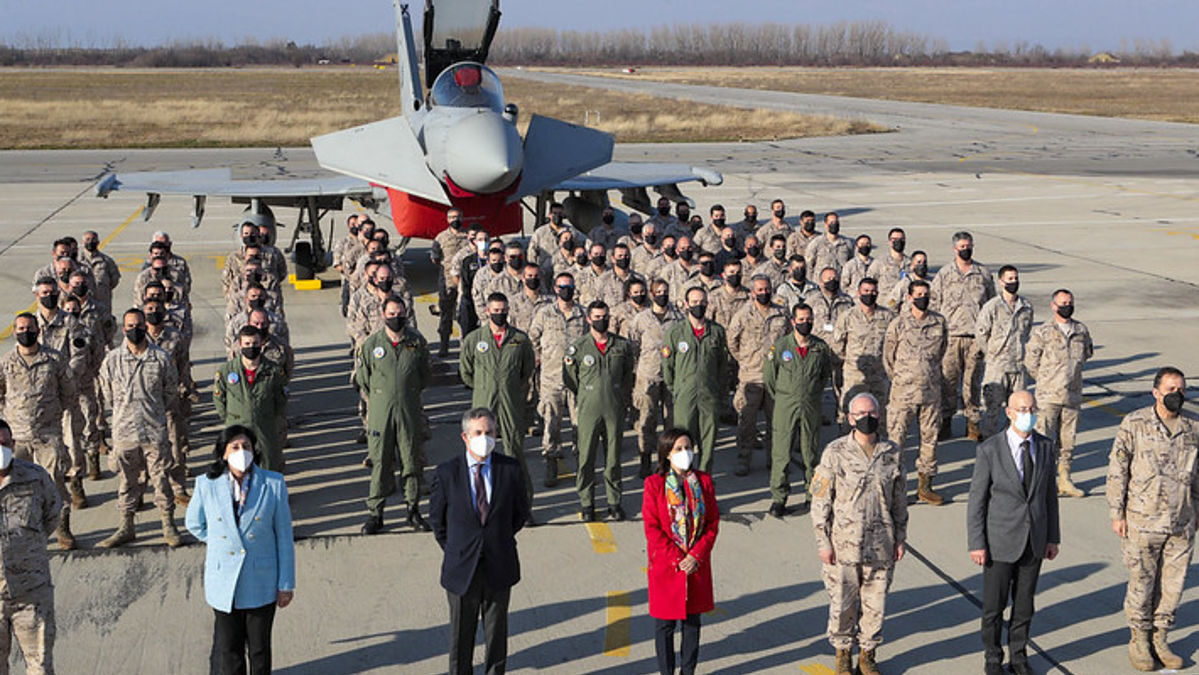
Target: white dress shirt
{"x": 1013, "y": 443}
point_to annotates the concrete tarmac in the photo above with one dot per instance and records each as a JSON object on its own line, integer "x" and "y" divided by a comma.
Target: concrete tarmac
{"x": 1103, "y": 207}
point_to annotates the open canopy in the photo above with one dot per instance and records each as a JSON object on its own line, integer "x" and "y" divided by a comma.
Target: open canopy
{"x": 457, "y": 30}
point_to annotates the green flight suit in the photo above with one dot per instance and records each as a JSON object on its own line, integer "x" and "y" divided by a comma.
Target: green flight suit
{"x": 797, "y": 385}
{"x": 393, "y": 377}
{"x": 259, "y": 406}
{"x": 499, "y": 376}
{"x": 602, "y": 383}
{"x": 696, "y": 371}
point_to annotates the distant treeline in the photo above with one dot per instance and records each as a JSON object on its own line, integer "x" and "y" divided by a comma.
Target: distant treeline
{"x": 856, "y": 43}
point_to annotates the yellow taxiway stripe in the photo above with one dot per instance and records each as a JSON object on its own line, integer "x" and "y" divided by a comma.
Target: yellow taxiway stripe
{"x": 602, "y": 539}
{"x": 816, "y": 669}
{"x": 620, "y": 616}
{"x": 1114, "y": 412}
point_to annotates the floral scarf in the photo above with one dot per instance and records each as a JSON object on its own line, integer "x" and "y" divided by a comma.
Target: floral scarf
{"x": 686, "y": 503}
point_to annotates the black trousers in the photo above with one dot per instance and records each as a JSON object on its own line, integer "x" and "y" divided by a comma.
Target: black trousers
{"x": 447, "y": 300}
{"x": 492, "y": 604}
{"x": 1005, "y": 582}
{"x": 664, "y": 644}
{"x": 238, "y": 632}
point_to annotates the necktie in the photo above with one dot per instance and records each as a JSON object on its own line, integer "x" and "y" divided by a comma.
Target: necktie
{"x": 1026, "y": 461}
{"x": 480, "y": 494}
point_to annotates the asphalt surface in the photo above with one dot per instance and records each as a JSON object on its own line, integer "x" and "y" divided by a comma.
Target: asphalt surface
{"x": 1104, "y": 207}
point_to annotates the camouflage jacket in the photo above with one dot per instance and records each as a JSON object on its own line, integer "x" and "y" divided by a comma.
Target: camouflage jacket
{"x": 1001, "y": 332}
{"x": 30, "y": 506}
{"x": 751, "y": 335}
{"x": 551, "y": 332}
{"x": 912, "y": 352}
{"x": 859, "y": 502}
{"x": 646, "y": 331}
{"x": 959, "y": 296}
{"x": 1152, "y": 477}
{"x": 35, "y": 396}
{"x": 139, "y": 389}
{"x": 858, "y": 339}
{"x": 1054, "y": 358}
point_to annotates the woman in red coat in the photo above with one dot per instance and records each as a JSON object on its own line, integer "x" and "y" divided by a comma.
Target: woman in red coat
{"x": 681, "y": 520}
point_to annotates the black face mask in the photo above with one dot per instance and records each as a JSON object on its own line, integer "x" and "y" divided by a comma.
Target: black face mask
{"x": 780, "y": 254}
{"x": 753, "y": 251}
{"x": 567, "y": 293}
{"x": 730, "y": 242}
{"x": 733, "y": 280}
{"x": 622, "y": 263}
{"x": 867, "y": 424}
{"x": 669, "y": 252}
{"x": 920, "y": 270}
{"x": 1012, "y": 288}
{"x": 779, "y": 213}
{"x": 556, "y": 219}
{"x": 803, "y": 328}
{"x": 707, "y": 268}
{"x": 1173, "y": 401}
{"x": 79, "y": 291}
{"x": 898, "y": 245}
{"x": 763, "y": 299}
{"x": 396, "y": 323}
{"x": 651, "y": 238}
{"x": 456, "y": 224}
{"x": 499, "y": 318}
{"x": 663, "y": 211}
{"x": 600, "y": 325}
{"x": 640, "y": 299}
{"x": 832, "y": 285}
{"x": 799, "y": 274}
{"x": 533, "y": 283}
{"x": 921, "y": 303}
{"x": 868, "y": 299}
{"x": 136, "y": 335}
{"x": 686, "y": 255}
{"x": 160, "y": 273}
{"x": 27, "y": 338}
{"x": 809, "y": 226}
{"x": 581, "y": 260}
{"x": 698, "y": 311}
{"x": 64, "y": 277}
{"x": 155, "y": 318}
{"x": 259, "y": 303}
{"x": 496, "y": 266}
{"x": 49, "y": 301}
{"x": 683, "y": 215}
{"x": 635, "y": 228}
{"x": 608, "y": 219}
{"x": 516, "y": 263}
{"x": 91, "y": 246}
{"x": 833, "y": 227}
{"x": 252, "y": 352}
{"x": 1065, "y": 311}
{"x": 718, "y": 222}
{"x": 751, "y": 218}
{"x": 661, "y": 300}
{"x": 864, "y": 251}
{"x": 966, "y": 254}
{"x": 249, "y": 240}
{"x": 599, "y": 260}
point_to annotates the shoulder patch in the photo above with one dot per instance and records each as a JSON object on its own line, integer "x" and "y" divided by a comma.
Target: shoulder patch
{"x": 665, "y": 351}
{"x": 819, "y": 487}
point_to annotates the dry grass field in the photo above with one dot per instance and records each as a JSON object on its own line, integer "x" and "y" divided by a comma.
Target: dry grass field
{"x": 1152, "y": 94}
{"x": 104, "y": 108}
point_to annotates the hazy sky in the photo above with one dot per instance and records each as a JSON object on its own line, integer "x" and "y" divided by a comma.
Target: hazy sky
{"x": 1097, "y": 24}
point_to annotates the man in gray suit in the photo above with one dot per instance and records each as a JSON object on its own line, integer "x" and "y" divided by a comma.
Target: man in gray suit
{"x": 1012, "y": 525}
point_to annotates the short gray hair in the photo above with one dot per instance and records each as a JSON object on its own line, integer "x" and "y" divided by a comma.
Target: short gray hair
{"x": 963, "y": 236}
{"x": 476, "y": 414}
{"x": 869, "y": 397}
{"x": 160, "y": 235}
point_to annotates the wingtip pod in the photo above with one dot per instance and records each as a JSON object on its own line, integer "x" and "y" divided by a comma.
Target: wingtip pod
{"x": 107, "y": 183}
{"x": 707, "y": 177}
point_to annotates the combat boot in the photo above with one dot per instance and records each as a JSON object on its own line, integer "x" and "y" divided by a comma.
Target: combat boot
{"x": 93, "y": 467}
{"x": 1162, "y": 649}
{"x": 1138, "y": 651}
{"x": 1065, "y": 486}
{"x": 78, "y": 498}
{"x": 182, "y": 499}
{"x": 415, "y": 521}
{"x": 124, "y": 534}
{"x": 844, "y": 664}
{"x": 866, "y": 663}
{"x": 924, "y": 491}
{"x": 170, "y": 533}
{"x": 66, "y": 540}
{"x": 972, "y": 431}
{"x": 742, "y": 467}
{"x": 551, "y": 472}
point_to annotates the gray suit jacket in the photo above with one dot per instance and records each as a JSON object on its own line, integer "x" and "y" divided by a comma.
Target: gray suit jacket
{"x": 1000, "y": 518}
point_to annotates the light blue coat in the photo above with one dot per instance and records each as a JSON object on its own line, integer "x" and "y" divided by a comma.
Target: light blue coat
{"x": 246, "y": 564}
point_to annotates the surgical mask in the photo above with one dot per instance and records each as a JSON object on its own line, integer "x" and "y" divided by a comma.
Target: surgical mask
{"x": 600, "y": 325}
{"x": 1065, "y": 311}
{"x": 27, "y": 338}
{"x": 804, "y": 328}
{"x": 763, "y": 298}
{"x": 866, "y": 424}
{"x": 921, "y": 303}
{"x": 481, "y": 446}
{"x": 868, "y": 299}
{"x": 497, "y": 266}
{"x": 681, "y": 460}
{"x": 753, "y": 251}
{"x": 733, "y": 280}
{"x": 898, "y": 245}
{"x": 698, "y": 311}
{"x": 533, "y": 283}
{"x": 966, "y": 253}
{"x": 833, "y": 227}
{"x": 240, "y": 460}
{"x": 567, "y": 293}
{"x": 622, "y": 263}
{"x": 639, "y": 299}
{"x": 608, "y": 218}
{"x": 1025, "y": 421}
{"x": 1173, "y": 401}
{"x": 5, "y": 457}
{"x": 1013, "y": 287}
{"x": 481, "y": 246}
{"x": 396, "y": 323}
{"x": 136, "y": 335}
{"x": 252, "y": 352}
{"x": 499, "y": 318}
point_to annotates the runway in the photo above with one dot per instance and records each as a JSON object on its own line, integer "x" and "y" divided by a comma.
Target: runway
{"x": 1104, "y": 207}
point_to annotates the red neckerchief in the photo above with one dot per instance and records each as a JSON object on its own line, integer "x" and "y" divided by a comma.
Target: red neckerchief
{"x": 699, "y": 332}
{"x": 601, "y": 346}
{"x": 803, "y": 351}
{"x": 250, "y": 374}
{"x": 499, "y": 337}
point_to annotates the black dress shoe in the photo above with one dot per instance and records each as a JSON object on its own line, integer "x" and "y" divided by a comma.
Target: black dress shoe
{"x": 416, "y": 521}
{"x": 616, "y": 513}
{"x": 778, "y": 510}
{"x": 373, "y": 525}
{"x": 587, "y": 515}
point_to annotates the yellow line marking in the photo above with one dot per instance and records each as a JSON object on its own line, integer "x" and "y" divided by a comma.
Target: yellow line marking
{"x": 816, "y": 669}
{"x": 620, "y": 615}
{"x": 602, "y": 540}
{"x": 7, "y": 332}
{"x": 1115, "y": 412}
{"x": 221, "y": 261}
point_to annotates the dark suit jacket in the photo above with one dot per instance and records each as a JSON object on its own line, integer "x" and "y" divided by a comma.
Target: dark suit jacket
{"x": 1000, "y": 517}
{"x": 467, "y": 543}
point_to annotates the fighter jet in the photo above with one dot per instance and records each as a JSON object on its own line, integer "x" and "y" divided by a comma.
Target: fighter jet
{"x": 454, "y": 144}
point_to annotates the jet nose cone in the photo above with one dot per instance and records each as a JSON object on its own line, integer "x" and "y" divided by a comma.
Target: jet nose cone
{"x": 483, "y": 153}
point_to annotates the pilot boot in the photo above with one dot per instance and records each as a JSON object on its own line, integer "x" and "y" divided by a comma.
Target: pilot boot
{"x": 924, "y": 491}
{"x": 551, "y": 472}
{"x": 866, "y": 663}
{"x": 124, "y": 534}
{"x": 66, "y": 540}
{"x": 1065, "y": 486}
{"x": 170, "y": 534}
{"x": 844, "y": 665}
{"x": 415, "y": 521}
{"x": 78, "y": 498}
{"x": 1138, "y": 651}
{"x": 93, "y": 467}
{"x": 1160, "y": 647}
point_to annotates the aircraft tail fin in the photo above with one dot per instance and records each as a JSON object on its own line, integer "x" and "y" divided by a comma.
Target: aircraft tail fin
{"x": 411, "y": 93}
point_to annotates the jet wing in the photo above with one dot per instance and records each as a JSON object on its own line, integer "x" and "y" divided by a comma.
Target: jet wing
{"x": 220, "y": 182}
{"x": 632, "y": 175}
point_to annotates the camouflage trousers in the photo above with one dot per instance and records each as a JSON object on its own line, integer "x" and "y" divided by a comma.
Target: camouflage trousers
{"x": 653, "y": 405}
{"x": 180, "y": 446}
{"x": 1157, "y": 569}
{"x": 31, "y": 619}
{"x": 750, "y": 399}
{"x": 901, "y": 408}
{"x": 50, "y": 454}
{"x": 555, "y": 405}
{"x": 996, "y": 388}
{"x": 151, "y": 458}
{"x": 857, "y": 597}
{"x": 83, "y": 438}
{"x": 1059, "y": 423}
{"x": 961, "y": 371}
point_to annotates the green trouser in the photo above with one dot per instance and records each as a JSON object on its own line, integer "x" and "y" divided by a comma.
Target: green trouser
{"x": 384, "y": 446}
{"x": 699, "y": 419}
{"x": 512, "y": 433}
{"x": 793, "y": 426}
{"x": 591, "y": 430}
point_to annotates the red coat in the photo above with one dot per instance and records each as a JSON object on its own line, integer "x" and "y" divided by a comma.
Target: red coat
{"x": 672, "y": 593}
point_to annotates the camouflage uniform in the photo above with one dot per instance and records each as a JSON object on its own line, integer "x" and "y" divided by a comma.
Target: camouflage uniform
{"x": 797, "y": 243}
{"x": 522, "y": 308}
{"x": 29, "y": 511}
{"x": 234, "y": 324}
{"x": 345, "y": 254}
{"x": 897, "y": 296}
{"x": 551, "y": 332}
{"x": 708, "y": 239}
{"x": 751, "y": 333}
{"x": 771, "y": 228}
{"x": 606, "y": 235}
{"x": 35, "y": 396}
{"x": 445, "y": 248}
{"x": 857, "y": 269}
{"x": 106, "y": 272}
{"x": 140, "y": 389}
{"x": 826, "y": 312}
{"x": 1001, "y": 332}
{"x": 888, "y": 271}
{"x": 651, "y": 400}
{"x": 822, "y": 253}
{"x": 586, "y": 283}
{"x": 667, "y": 226}
{"x": 622, "y": 316}
{"x": 544, "y": 242}
{"x": 178, "y": 415}
{"x": 1054, "y": 358}
{"x": 182, "y": 289}
{"x": 1153, "y": 483}
{"x": 680, "y": 279}
{"x": 609, "y": 286}
{"x": 777, "y": 271}
{"x": 860, "y": 511}
{"x": 647, "y": 262}
{"x": 959, "y": 298}
{"x": 231, "y": 275}
{"x": 791, "y": 293}
{"x": 858, "y": 343}
{"x": 912, "y": 352}
{"x": 724, "y": 303}
{"x": 505, "y": 282}
{"x": 81, "y": 351}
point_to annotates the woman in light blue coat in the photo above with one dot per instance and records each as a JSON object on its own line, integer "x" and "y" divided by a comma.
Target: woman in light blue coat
{"x": 240, "y": 511}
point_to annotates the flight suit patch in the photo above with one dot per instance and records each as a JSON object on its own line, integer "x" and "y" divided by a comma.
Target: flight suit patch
{"x": 788, "y": 356}
{"x": 684, "y": 347}
{"x": 589, "y": 360}
{"x": 378, "y": 353}
{"x": 665, "y": 352}
{"x": 482, "y": 347}
{"x": 232, "y": 378}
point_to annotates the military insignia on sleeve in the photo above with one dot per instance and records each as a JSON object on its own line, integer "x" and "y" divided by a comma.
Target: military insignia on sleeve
{"x": 788, "y": 356}
{"x": 665, "y": 352}
{"x": 232, "y": 378}
{"x": 569, "y": 360}
{"x": 589, "y": 360}
{"x": 684, "y": 347}
{"x": 482, "y": 347}
{"x": 770, "y": 354}
{"x": 819, "y": 487}
{"x": 571, "y": 350}
{"x": 378, "y": 353}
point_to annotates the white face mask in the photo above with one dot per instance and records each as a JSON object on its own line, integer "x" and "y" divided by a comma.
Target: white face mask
{"x": 240, "y": 460}
{"x": 1025, "y": 422}
{"x": 5, "y": 457}
{"x": 481, "y": 446}
{"x": 681, "y": 459}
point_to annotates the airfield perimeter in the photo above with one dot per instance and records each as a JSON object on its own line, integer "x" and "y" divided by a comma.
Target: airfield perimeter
{"x": 1105, "y": 207}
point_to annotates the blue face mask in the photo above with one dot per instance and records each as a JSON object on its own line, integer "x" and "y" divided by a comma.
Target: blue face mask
{"x": 1025, "y": 422}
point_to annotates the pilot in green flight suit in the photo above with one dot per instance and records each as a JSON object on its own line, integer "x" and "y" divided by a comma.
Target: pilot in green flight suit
{"x": 695, "y": 368}
{"x": 251, "y": 390}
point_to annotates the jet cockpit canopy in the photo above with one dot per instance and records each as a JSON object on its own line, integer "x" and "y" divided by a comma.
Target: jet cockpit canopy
{"x": 456, "y": 31}
{"x": 468, "y": 85}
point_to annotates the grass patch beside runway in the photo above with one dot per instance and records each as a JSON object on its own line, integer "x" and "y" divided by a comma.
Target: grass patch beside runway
{"x": 1162, "y": 94}
{"x": 115, "y": 108}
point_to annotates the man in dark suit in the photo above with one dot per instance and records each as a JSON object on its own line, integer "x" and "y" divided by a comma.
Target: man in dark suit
{"x": 478, "y": 504}
{"x": 1012, "y": 525}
